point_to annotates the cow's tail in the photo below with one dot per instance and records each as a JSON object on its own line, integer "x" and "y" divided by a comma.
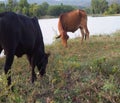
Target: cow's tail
{"x": 58, "y": 36}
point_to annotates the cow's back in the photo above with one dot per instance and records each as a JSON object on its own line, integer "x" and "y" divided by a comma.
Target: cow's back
{"x": 71, "y": 21}
{"x": 20, "y": 33}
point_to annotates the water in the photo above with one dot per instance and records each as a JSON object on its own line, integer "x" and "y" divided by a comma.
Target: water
{"x": 96, "y": 26}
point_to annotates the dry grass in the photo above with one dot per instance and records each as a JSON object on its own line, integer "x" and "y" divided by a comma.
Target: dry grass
{"x": 87, "y": 73}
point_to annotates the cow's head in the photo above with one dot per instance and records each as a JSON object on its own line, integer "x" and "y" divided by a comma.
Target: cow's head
{"x": 42, "y": 64}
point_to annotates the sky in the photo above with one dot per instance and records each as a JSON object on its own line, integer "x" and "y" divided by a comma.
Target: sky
{"x": 2, "y": 0}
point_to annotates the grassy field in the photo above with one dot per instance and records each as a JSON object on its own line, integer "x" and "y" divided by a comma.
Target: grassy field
{"x": 87, "y": 73}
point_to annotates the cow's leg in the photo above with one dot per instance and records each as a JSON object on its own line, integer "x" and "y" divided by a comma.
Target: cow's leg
{"x": 33, "y": 73}
{"x": 8, "y": 63}
{"x": 83, "y": 34}
{"x": 32, "y": 64}
{"x": 86, "y": 32}
{"x": 64, "y": 38}
{"x": 33, "y": 78}
{"x": 0, "y": 49}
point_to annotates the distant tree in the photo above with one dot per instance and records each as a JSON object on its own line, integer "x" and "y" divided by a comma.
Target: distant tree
{"x": 34, "y": 10}
{"x": 94, "y": 6}
{"x": 23, "y": 7}
{"x": 113, "y": 9}
{"x": 23, "y": 3}
{"x": 88, "y": 10}
{"x": 11, "y": 5}
{"x": 56, "y": 10}
{"x": 2, "y": 7}
{"x": 103, "y": 6}
{"x": 99, "y": 6}
{"x": 44, "y": 7}
{"x": 38, "y": 10}
{"x": 25, "y": 10}
{"x": 67, "y": 8}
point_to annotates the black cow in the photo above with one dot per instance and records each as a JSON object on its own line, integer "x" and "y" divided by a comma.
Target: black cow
{"x": 20, "y": 35}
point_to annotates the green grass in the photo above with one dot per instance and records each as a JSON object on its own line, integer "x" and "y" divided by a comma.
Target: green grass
{"x": 87, "y": 73}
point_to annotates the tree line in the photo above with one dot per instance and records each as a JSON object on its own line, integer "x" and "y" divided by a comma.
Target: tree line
{"x": 23, "y": 7}
{"x": 103, "y": 7}
{"x": 39, "y": 10}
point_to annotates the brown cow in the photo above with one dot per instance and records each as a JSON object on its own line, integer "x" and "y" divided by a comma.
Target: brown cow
{"x": 70, "y": 22}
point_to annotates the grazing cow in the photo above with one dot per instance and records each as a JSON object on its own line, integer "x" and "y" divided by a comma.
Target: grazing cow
{"x": 20, "y": 35}
{"x": 70, "y": 22}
